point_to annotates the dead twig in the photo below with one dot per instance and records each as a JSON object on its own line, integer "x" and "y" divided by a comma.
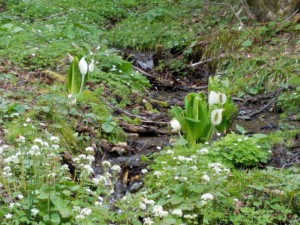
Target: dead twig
{"x": 144, "y": 72}
{"x": 265, "y": 106}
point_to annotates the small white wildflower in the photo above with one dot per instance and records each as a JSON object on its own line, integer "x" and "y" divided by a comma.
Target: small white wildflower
{"x": 148, "y": 202}
{"x": 143, "y": 206}
{"x": 90, "y": 158}
{"x": 144, "y": 171}
{"x": 46, "y": 144}
{"x": 202, "y": 151}
{"x": 34, "y": 211}
{"x": 194, "y": 168}
{"x": 65, "y": 167}
{"x": 98, "y": 203}
{"x": 76, "y": 208}
{"x": 35, "y": 148}
{"x": 55, "y": 147}
{"x": 20, "y": 196}
{"x": 25, "y": 124}
{"x": 86, "y": 211}
{"x": 157, "y": 174}
{"x": 158, "y": 148}
{"x": 169, "y": 152}
{"x": 258, "y": 146}
{"x": 89, "y": 149}
{"x": 88, "y": 190}
{"x": 8, "y": 216}
{"x": 28, "y": 120}
{"x": 38, "y": 140}
{"x": 270, "y": 151}
{"x": 203, "y": 203}
{"x": 205, "y": 178}
{"x": 148, "y": 221}
{"x": 21, "y": 139}
{"x": 159, "y": 212}
{"x": 106, "y": 163}
{"x": 219, "y": 134}
{"x": 52, "y": 175}
{"x": 88, "y": 168}
{"x": 177, "y": 212}
{"x": 207, "y": 196}
{"x": 54, "y": 139}
{"x": 116, "y": 168}
{"x": 6, "y": 171}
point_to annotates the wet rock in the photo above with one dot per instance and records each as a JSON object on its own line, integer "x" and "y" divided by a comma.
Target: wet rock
{"x": 134, "y": 187}
{"x": 130, "y": 161}
{"x": 118, "y": 151}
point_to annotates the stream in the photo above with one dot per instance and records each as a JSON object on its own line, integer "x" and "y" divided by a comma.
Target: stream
{"x": 262, "y": 120}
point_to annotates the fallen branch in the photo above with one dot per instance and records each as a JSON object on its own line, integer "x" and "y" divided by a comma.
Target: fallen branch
{"x": 202, "y": 62}
{"x": 144, "y": 72}
{"x": 265, "y": 106}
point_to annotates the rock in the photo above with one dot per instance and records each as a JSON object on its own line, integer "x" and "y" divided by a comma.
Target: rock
{"x": 134, "y": 187}
{"x": 118, "y": 151}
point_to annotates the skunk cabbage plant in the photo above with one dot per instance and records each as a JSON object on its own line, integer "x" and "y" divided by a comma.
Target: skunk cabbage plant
{"x": 78, "y": 75}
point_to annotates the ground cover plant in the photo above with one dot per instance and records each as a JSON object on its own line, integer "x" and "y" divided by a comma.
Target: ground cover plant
{"x": 71, "y": 94}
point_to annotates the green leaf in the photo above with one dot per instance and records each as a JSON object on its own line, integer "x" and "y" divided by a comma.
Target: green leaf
{"x": 241, "y": 129}
{"x": 62, "y": 206}
{"x": 55, "y": 218}
{"x": 175, "y": 200}
{"x": 256, "y": 187}
{"x": 73, "y": 81}
{"x": 247, "y": 43}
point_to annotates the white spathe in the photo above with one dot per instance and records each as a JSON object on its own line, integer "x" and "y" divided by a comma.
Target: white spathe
{"x": 216, "y": 98}
{"x": 83, "y": 66}
{"x": 222, "y": 98}
{"x": 91, "y": 66}
{"x": 216, "y": 116}
{"x": 175, "y": 125}
{"x": 213, "y": 98}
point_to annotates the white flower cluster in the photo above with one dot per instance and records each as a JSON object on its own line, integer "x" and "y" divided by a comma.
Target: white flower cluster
{"x": 205, "y": 178}
{"x": 34, "y": 211}
{"x": 189, "y": 216}
{"x": 101, "y": 179}
{"x": 218, "y": 168}
{"x": 85, "y": 162}
{"x": 205, "y": 198}
{"x": 82, "y": 213}
{"x": 183, "y": 158}
{"x": 202, "y": 151}
{"x": 148, "y": 221}
{"x": 157, "y": 174}
{"x": 148, "y": 202}
{"x": 158, "y": 211}
{"x": 116, "y": 168}
{"x": 177, "y": 212}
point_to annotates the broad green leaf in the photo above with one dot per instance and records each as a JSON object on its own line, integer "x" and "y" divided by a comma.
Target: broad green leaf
{"x": 175, "y": 199}
{"x": 247, "y": 43}
{"x": 62, "y": 206}
{"x": 55, "y": 218}
{"x": 73, "y": 81}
